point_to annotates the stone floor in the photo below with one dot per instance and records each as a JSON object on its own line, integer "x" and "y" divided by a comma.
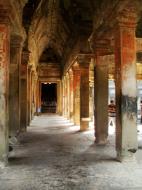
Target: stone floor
{"x": 54, "y": 155}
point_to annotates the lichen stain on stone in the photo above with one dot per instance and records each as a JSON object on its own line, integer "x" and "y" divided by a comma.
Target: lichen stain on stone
{"x": 129, "y": 106}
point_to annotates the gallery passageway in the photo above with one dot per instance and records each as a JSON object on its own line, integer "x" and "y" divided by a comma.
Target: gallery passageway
{"x": 70, "y": 58}
{"x": 54, "y": 155}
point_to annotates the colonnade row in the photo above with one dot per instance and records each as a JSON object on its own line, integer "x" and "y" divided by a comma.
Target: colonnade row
{"x": 85, "y": 91}
{"x": 76, "y": 90}
{"x": 19, "y": 87}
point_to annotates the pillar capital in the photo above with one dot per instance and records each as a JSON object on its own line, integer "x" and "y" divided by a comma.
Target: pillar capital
{"x": 102, "y": 47}
{"x": 4, "y": 14}
{"x": 83, "y": 59}
{"x": 127, "y": 17}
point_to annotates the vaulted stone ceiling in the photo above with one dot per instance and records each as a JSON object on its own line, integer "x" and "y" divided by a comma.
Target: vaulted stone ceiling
{"x": 56, "y": 29}
{"x": 54, "y": 26}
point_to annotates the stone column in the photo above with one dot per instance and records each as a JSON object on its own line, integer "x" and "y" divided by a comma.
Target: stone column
{"x": 71, "y": 94}
{"x": 91, "y": 90}
{"x": 126, "y": 89}
{"x": 84, "y": 63}
{"x": 68, "y": 95}
{"x": 29, "y": 95}
{"x": 23, "y": 89}
{"x": 32, "y": 94}
{"x": 59, "y": 98}
{"x": 101, "y": 99}
{"x": 38, "y": 97}
{"x": 63, "y": 86}
{"x": 35, "y": 80}
{"x": 65, "y": 97}
{"x": 14, "y": 82}
{"x": 76, "y": 92}
{"x": 4, "y": 85}
{"x": 40, "y": 86}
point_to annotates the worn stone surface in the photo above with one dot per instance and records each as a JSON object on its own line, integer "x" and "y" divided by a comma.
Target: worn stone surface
{"x": 101, "y": 99}
{"x": 126, "y": 87}
{"x": 4, "y": 80}
{"x": 54, "y": 155}
{"x": 76, "y": 97}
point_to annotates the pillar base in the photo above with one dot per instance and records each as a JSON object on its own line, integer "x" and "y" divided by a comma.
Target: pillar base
{"x": 23, "y": 130}
{"x": 84, "y": 125}
{"x": 4, "y": 161}
{"x": 101, "y": 142}
{"x": 3, "y": 164}
{"x": 125, "y": 156}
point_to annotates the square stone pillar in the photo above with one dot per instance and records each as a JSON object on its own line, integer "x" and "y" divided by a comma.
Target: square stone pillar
{"x": 126, "y": 88}
{"x": 38, "y": 97}
{"x": 84, "y": 63}
{"x": 71, "y": 94}
{"x": 59, "y": 98}
{"x": 76, "y": 94}
{"x": 63, "y": 86}
{"x": 101, "y": 100}
{"x": 68, "y": 95}
{"x": 23, "y": 93}
{"x": 29, "y": 95}
{"x": 91, "y": 90}
{"x": 34, "y": 93}
{"x": 14, "y": 82}
{"x": 65, "y": 97}
{"x": 4, "y": 85}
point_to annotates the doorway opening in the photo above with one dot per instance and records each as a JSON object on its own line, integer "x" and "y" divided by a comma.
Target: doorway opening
{"x": 48, "y": 97}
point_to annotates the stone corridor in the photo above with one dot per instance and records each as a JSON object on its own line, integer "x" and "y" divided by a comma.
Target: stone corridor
{"x": 54, "y": 155}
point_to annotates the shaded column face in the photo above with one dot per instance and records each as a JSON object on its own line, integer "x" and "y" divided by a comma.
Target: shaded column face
{"x": 101, "y": 100}
{"x": 34, "y": 96}
{"x": 84, "y": 95}
{"x": 14, "y": 90}
{"x": 91, "y": 90}
{"x": 76, "y": 97}
{"x": 63, "y": 85}
{"x": 71, "y": 94}
{"x": 126, "y": 101}
{"x": 68, "y": 96}
{"x": 29, "y": 96}
{"x": 59, "y": 98}
{"x": 65, "y": 97}
{"x": 23, "y": 93}
{"x": 38, "y": 95}
{"x": 4, "y": 82}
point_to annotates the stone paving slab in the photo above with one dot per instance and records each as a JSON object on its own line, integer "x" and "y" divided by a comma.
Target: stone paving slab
{"x": 54, "y": 155}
